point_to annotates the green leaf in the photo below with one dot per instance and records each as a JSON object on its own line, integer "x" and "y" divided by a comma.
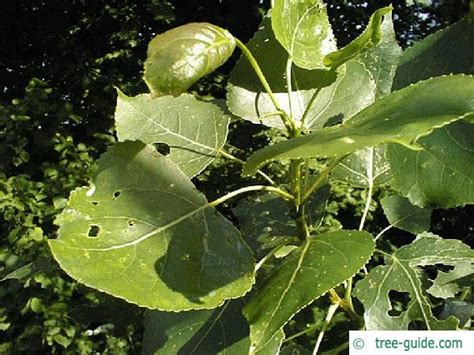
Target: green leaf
{"x": 448, "y": 51}
{"x": 332, "y": 102}
{"x": 442, "y": 173}
{"x": 402, "y": 274}
{"x": 382, "y": 60}
{"x": 303, "y": 29}
{"x": 29, "y": 270}
{"x": 266, "y": 222}
{"x": 194, "y": 130}
{"x": 403, "y": 215}
{"x": 401, "y": 117}
{"x": 364, "y": 168}
{"x": 370, "y": 166}
{"x": 179, "y": 57}
{"x": 142, "y": 232}
{"x": 320, "y": 264}
{"x": 369, "y": 38}
{"x": 219, "y": 331}
{"x": 448, "y": 284}
{"x": 246, "y": 96}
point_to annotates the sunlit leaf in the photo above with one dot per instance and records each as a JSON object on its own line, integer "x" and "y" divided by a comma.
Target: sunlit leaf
{"x": 401, "y": 117}
{"x": 144, "y": 233}
{"x": 320, "y": 264}
{"x": 303, "y": 29}
{"x": 367, "y": 167}
{"x": 194, "y": 130}
{"x": 246, "y": 96}
{"x": 179, "y": 57}
{"x": 402, "y": 274}
{"x": 403, "y": 215}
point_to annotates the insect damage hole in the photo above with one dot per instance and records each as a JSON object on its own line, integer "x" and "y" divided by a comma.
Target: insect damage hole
{"x": 399, "y": 302}
{"x": 94, "y": 231}
{"x": 117, "y": 193}
{"x": 131, "y": 223}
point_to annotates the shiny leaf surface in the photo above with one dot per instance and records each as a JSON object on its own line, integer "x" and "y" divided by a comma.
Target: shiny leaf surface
{"x": 303, "y": 29}
{"x": 179, "y": 57}
{"x": 401, "y": 117}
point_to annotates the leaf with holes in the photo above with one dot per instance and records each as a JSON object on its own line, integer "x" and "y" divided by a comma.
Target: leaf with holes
{"x": 181, "y": 56}
{"x": 402, "y": 274}
{"x": 401, "y": 117}
{"x": 303, "y": 29}
{"x": 320, "y": 264}
{"x": 403, "y": 215}
{"x": 448, "y": 284}
{"x": 194, "y": 130}
{"x": 143, "y": 233}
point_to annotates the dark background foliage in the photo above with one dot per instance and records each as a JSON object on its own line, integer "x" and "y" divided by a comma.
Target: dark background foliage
{"x": 59, "y": 63}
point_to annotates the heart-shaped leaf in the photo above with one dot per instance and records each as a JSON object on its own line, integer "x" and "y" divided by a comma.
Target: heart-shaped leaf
{"x": 303, "y": 29}
{"x": 179, "y": 57}
{"x": 194, "y": 130}
{"x": 144, "y": 233}
{"x": 401, "y": 117}
{"x": 401, "y": 273}
{"x": 320, "y": 264}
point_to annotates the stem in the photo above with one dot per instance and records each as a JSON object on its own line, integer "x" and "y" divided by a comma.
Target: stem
{"x": 382, "y": 232}
{"x": 331, "y": 311}
{"x": 289, "y": 124}
{"x": 300, "y": 333}
{"x": 347, "y": 296}
{"x": 321, "y": 178}
{"x": 289, "y": 88}
{"x": 308, "y": 107}
{"x": 370, "y": 181}
{"x": 242, "y": 190}
{"x": 240, "y": 161}
{"x": 312, "y": 100}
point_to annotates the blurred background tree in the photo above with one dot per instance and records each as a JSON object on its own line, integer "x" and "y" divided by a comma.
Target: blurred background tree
{"x": 59, "y": 63}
